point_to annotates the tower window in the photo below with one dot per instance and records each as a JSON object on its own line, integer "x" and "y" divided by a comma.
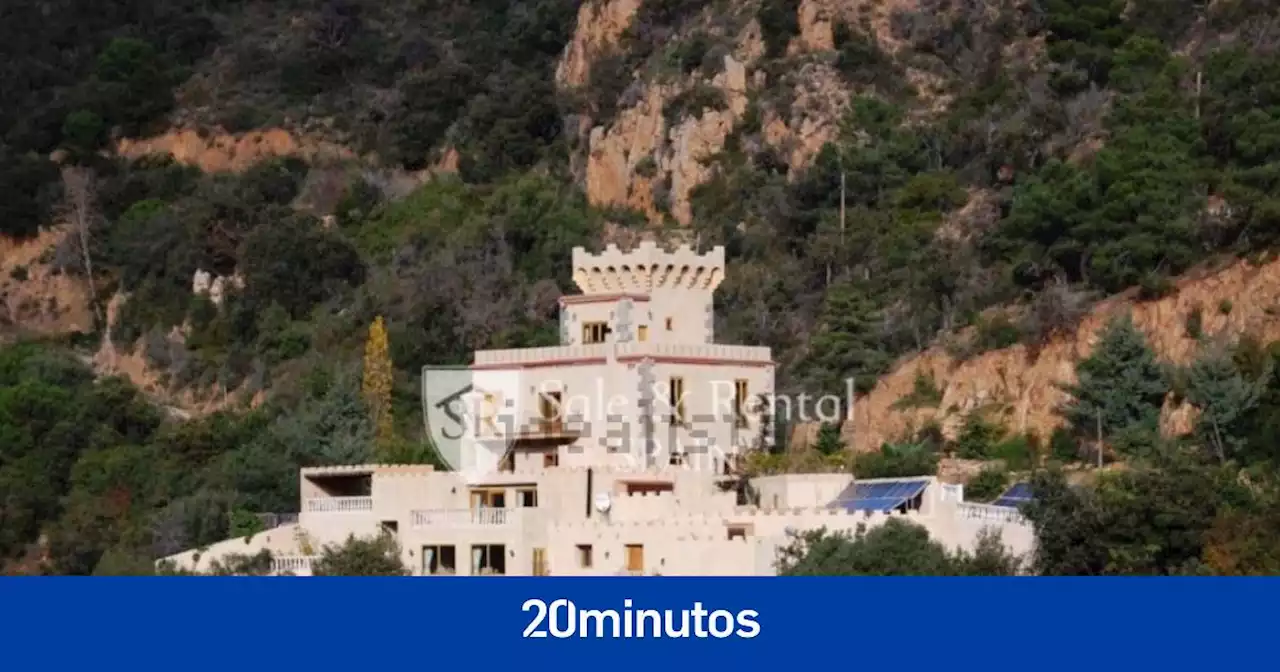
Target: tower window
{"x": 740, "y": 401}
{"x": 670, "y": 324}
{"x": 675, "y": 399}
{"x": 595, "y": 332}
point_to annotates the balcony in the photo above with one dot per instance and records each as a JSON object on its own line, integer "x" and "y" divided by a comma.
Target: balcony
{"x": 633, "y": 350}
{"x": 493, "y": 358}
{"x": 422, "y": 518}
{"x": 297, "y": 565}
{"x": 338, "y": 504}
{"x": 711, "y": 351}
{"x": 995, "y": 514}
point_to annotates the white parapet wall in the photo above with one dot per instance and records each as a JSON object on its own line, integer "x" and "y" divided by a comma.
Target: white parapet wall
{"x": 647, "y": 268}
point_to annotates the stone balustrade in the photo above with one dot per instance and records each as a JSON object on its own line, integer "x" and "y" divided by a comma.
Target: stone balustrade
{"x": 995, "y": 514}
{"x": 421, "y": 518}
{"x": 299, "y": 565}
{"x": 338, "y": 504}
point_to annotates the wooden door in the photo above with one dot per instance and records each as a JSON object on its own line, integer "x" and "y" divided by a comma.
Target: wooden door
{"x": 635, "y": 557}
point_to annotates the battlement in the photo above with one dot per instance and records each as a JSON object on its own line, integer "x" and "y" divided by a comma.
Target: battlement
{"x": 368, "y": 470}
{"x": 646, "y": 268}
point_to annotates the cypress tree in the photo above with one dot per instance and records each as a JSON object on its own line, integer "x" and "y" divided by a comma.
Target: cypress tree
{"x": 377, "y": 385}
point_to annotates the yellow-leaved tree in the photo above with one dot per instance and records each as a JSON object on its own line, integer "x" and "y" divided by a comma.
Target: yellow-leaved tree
{"x": 376, "y": 386}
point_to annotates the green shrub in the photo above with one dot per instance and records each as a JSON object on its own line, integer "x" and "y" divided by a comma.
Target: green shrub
{"x": 693, "y": 101}
{"x": 1018, "y": 452}
{"x": 1063, "y": 446}
{"x": 647, "y": 167}
{"x": 779, "y": 22}
{"x": 977, "y": 437}
{"x": 924, "y": 393}
{"x": 896, "y": 461}
{"x": 1195, "y": 323}
{"x": 986, "y": 485}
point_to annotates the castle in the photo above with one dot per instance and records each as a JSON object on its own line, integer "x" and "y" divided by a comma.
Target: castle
{"x": 615, "y": 452}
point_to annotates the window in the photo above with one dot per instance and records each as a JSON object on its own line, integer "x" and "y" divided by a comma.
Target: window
{"x": 439, "y": 561}
{"x": 595, "y": 332}
{"x": 635, "y": 557}
{"x": 644, "y": 333}
{"x": 550, "y": 460}
{"x": 489, "y": 413}
{"x": 676, "y": 458}
{"x": 488, "y": 499}
{"x": 390, "y": 527}
{"x": 675, "y": 400}
{"x": 540, "y": 562}
{"x": 527, "y": 498}
{"x": 740, "y": 401}
{"x": 549, "y": 410}
{"x": 488, "y": 559}
{"x": 737, "y": 532}
{"x": 584, "y": 556}
{"x": 669, "y": 324}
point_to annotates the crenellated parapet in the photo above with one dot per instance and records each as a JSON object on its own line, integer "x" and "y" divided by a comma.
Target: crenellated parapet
{"x": 646, "y": 268}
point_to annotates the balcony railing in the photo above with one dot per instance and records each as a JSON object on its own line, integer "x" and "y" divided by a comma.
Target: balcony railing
{"x": 484, "y": 516}
{"x": 715, "y": 351}
{"x": 292, "y": 564}
{"x": 339, "y": 504}
{"x": 995, "y": 514}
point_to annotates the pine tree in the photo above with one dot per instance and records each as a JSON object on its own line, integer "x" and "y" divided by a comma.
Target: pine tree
{"x": 377, "y": 384}
{"x": 848, "y": 341}
{"x": 1224, "y": 396}
{"x": 829, "y": 441}
{"x": 1121, "y": 383}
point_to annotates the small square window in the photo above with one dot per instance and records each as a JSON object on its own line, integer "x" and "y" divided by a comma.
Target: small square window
{"x": 584, "y": 556}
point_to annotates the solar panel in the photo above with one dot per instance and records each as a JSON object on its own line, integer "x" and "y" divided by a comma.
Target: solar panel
{"x": 1015, "y": 496}
{"x": 880, "y": 495}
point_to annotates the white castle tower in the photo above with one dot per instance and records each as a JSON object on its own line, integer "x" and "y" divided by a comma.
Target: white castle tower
{"x": 676, "y": 288}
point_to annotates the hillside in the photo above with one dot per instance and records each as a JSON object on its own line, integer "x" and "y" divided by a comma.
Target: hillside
{"x": 944, "y": 199}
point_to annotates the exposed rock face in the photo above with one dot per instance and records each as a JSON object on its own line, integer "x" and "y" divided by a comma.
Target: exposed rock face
{"x": 670, "y": 156}
{"x": 222, "y": 153}
{"x": 215, "y": 287}
{"x": 600, "y": 25}
{"x": 819, "y": 99}
{"x": 34, "y": 298}
{"x": 1027, "y": 387}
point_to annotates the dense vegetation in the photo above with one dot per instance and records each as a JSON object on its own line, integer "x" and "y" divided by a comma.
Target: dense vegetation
{"x": 1141, "y": 140}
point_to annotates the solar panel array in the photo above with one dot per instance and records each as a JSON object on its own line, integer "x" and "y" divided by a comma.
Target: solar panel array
{"x": 1015, "y": 496}
{"x": 880, "y": 495}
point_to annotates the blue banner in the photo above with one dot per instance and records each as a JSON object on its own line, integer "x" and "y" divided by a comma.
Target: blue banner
{"x": 635, "y": 623}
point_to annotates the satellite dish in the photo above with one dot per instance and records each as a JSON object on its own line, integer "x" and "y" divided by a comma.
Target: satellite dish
{"x": 603, "y": 502}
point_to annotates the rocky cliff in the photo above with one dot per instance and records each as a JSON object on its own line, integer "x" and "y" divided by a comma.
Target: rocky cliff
{"x": 651, "y": 160}
{"x": 1241, "y": 298}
